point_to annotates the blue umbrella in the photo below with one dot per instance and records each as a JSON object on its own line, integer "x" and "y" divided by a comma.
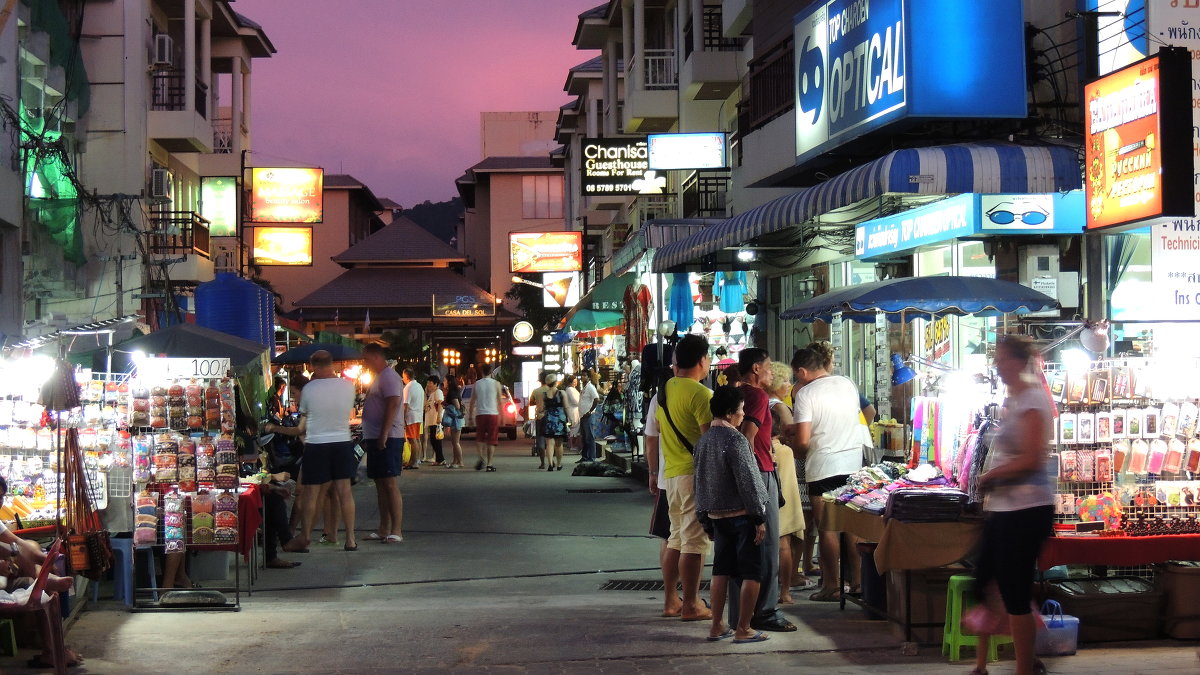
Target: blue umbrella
{"x": 923, "y": 298}
{"x": 303, "y": 353}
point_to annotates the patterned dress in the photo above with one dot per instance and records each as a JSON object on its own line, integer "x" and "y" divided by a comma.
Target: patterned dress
{"x": 554, "y": 424}
{"x": 637, "y": 302}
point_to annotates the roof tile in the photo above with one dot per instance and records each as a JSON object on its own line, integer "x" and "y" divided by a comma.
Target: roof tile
{"x": 401, "y": 240}
{"x": 389, "y": 287}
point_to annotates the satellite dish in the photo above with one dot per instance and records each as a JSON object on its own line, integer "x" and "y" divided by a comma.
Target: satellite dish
{"x": 1094, "y": 337}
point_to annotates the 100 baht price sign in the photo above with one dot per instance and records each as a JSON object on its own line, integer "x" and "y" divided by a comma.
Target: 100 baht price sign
{"x": 463, "y": 306}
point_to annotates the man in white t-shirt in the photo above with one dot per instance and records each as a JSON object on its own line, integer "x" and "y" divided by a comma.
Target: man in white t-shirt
{"x": 329, "y": 459}
{"x": 486, "y": 401}
{"x": 413, "y": 409}
{"x": 589, "y": 402}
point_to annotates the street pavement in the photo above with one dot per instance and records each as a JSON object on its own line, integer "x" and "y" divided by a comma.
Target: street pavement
{"x": 501, "y": 573}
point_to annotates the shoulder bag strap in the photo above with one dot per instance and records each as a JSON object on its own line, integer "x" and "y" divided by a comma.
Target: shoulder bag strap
{"x": 662, "y": 404}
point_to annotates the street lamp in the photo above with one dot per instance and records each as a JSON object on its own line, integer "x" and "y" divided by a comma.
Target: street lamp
{"x": 521, "y": 280}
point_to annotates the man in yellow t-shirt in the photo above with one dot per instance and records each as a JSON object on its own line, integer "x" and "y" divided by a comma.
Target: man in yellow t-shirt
{"x": 689, "y": 416}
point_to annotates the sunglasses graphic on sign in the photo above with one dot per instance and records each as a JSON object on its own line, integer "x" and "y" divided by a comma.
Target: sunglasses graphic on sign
{"x": 1019, "y": 212}
{"x": 1008, "y": 217}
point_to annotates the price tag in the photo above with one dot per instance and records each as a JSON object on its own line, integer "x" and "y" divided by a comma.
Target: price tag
{"x": 177, "y": 369}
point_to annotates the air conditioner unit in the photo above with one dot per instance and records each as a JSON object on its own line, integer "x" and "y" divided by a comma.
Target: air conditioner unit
{"x": 160, "y": 183}
{"x": 164, "y": 51}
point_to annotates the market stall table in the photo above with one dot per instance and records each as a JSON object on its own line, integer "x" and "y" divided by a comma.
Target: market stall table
{"x": 1119, "y": 551}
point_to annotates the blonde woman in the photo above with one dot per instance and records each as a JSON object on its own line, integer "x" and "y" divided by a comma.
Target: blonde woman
{"x": 793, "y": 540}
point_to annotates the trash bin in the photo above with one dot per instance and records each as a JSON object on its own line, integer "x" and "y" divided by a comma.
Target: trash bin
{"x": 1110, "y": 609}
{"x": 873, "y": 584}
{"x": 1180, "y": 586}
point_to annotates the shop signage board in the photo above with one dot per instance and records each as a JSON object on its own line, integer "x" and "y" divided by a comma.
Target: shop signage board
{"x": 282, "y": 246}
{"x": 861, "y": 65}
{"x": 218, "y": 204}
{"x": 463, "y": 306}
{"x": 531, "y": 252}
{"x": 697, "y": 151}
{"x": 560, "y": 289}
{"x": 969, "y": 215}
{"x": 182, "y": 368}
{"x": 1175, "y": 272}
{"x": 286, "y": 195}
{"x": 1122, "y": 37}
{"x": 618, "y": 166}
{"x": 523, "y": 332}
{"x": 1137, "y": 135}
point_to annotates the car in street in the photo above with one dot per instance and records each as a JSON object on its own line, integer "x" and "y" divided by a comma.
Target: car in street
{"x": 510, "y": 412}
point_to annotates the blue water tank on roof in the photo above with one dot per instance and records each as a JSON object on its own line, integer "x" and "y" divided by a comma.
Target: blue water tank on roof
{"x": 234, "y": 305}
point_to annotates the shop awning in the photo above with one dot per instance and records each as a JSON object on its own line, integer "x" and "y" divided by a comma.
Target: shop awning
{"x": 654, "y": 234}
{"x": 586, "y": 320}
{"x": 608, "y": 296}
{"x": 944, "y": 169}
{"x": 922, "y": 298}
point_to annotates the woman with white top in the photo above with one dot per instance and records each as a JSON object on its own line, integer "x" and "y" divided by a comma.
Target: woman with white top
{"x": 829, "y": 436}
{"x": 433, "y": 417}
{"x": 570, "y": 390}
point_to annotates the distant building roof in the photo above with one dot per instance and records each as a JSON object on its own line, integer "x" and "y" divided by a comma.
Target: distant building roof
{"x": 342, "y": 181}
{"x": 533, "y": 163}
{"x": 399, "y": 241}
{"x": 390, "y": 287}
{"x": 389, "y": 204}
{"x": 597, "y": 12}
{"x": 593, "y": 65}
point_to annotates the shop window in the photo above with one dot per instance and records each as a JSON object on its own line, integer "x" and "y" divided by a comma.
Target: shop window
{"x": 542, "y": 197}
{"x": 973, "y": 260}
{"x": 1129, "y": 277}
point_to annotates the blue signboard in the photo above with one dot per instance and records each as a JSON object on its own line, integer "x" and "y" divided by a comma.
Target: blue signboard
{"x": 969, "y": 215}
{"x": 862, "y": 64}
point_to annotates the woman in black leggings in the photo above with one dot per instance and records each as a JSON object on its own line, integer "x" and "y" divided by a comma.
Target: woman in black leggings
{"x": 1018, "y": 500}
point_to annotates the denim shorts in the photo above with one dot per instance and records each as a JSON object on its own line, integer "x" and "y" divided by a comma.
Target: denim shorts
{"x": 384, "y": 462}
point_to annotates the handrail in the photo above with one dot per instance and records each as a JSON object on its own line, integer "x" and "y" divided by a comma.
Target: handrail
{"x": 175, "y": 232}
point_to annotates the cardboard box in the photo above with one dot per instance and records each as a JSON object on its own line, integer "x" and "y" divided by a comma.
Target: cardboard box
{"x": 928, "y": 596}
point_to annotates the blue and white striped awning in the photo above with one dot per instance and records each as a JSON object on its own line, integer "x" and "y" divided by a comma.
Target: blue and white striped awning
{"x": 943, "y": 169}
{"x": 654, "y": 234}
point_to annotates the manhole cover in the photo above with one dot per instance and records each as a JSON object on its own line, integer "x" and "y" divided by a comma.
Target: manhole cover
{"x": 600, "y": 490}
{"x": 639, "y": 585}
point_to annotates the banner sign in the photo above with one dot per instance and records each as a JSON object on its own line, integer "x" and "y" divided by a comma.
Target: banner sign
{"x": 463, "y": 305}
{"x": 864, "y": 64}
{"x": 618, "y": 166}
{"x": 170, "y": 368}
{"x": 282, "y": 246}
{"x": 531, "y": 252}
{"x": 969, "y": 215}
{"x": 286, "y": 195}
{"x": 560, "y": 289}
{"x": 698, "y": 151}
{"x": 1134, "y": 142}
{"x": 218, "y": 204}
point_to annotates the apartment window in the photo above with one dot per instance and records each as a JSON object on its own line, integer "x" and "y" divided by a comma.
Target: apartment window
{"x": 542, "y": 197}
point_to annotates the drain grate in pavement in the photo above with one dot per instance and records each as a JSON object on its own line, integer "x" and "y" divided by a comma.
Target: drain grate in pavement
{"x": 639, "y": 585}
{"x": 600, "y": 490}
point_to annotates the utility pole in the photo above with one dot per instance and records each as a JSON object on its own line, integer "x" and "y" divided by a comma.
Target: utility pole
{"x": 120, "y": 278}
{"x": 1093, "y": 244}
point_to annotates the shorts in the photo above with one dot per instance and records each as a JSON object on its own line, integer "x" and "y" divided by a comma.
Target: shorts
{"x": 487, "y": 429}
{"x": 735, "y": 553}
{"x": 1008, "y": 553}
{"x": 324, "y": 462}
{"x": 412, "y": 431}
{"x": 660, "y": 517}
{"x": 385, "y": 462}
{"x": 820, "y": 487}
{"x": 687, "y": 536}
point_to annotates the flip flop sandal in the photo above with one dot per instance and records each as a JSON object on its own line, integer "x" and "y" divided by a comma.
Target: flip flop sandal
{"x": 757, "y": 637}
{"x": 825, "y": 596}
{"x": 723, "y": 636}
{"x": 374, "y": 536}
{"x": 393, "y": 539}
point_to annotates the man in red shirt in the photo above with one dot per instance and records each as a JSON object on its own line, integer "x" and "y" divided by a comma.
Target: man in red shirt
{"x": 755, "y": 367}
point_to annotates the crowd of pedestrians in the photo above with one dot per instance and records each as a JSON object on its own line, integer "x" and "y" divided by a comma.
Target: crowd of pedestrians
{"x": 732, "y": 470}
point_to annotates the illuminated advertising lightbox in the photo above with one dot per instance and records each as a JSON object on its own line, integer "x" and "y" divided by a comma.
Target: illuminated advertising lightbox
{"x": 1137, "y": 142}
{"x": 669, "y": 152}
{"x": 463, "y": 305}
{"x": 286, "y": 195}
{"x": 531, "y": 252}
{"x": 283, "y": 246}
{"x": 560, "y": 289}
{"x": 618, "y": 166}
{"x": 861, "y": 65}
{"x": 218, "y": 204}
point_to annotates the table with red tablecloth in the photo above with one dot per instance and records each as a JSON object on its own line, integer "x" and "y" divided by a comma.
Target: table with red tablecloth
{"x": 1119, "y": 551}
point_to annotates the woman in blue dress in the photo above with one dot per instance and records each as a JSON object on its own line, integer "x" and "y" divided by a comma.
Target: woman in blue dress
{"x": 554, "y": 423}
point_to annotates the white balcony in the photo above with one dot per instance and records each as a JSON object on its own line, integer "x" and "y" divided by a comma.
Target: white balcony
{"x": 651, "y": 92}
{"x": 171, "y": 123}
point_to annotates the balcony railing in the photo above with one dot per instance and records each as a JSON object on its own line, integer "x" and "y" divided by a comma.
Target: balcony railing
{"x": 703, "y": 195}
{"x": 648, "y": 208}
{"x": 711, "y": 36}
{"x": 170, "y": 93}
{"x": 661, "y": 72}
{"x": 222, "y": 135}
{"x": 772, "y": 89}
{"x": 176, "y": 232}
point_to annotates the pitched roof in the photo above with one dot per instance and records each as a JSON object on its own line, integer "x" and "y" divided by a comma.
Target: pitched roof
{"x": 342, "y": 181}
{"x": 401, "y": 240}
{"x": 390, "y": 287}
{"x": 592, "y": 65}
{"x": 597, "y": 12}
{"x": 389, "y": 204}
{"x": 532, "y": 163}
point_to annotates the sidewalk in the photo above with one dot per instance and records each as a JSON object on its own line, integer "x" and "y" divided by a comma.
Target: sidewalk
{"x": 501, "y": 572}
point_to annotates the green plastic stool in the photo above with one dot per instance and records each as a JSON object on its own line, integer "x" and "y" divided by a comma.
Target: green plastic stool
{"x": 958, "y": 601}
{"x": 8, "y": 637}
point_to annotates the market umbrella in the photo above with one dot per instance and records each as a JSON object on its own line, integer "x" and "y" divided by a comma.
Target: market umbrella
{"x": 922, "y": 298}
{"x": 303, "y": 353}
{"x": 592, "y": 319}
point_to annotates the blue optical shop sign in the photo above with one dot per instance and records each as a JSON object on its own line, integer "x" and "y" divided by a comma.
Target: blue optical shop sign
{"x": 970, "y": 215}
{"x": 863, "y": 64}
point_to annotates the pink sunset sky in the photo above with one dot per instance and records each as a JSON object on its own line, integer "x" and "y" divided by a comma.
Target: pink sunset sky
{"x": 390, "y": 91}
